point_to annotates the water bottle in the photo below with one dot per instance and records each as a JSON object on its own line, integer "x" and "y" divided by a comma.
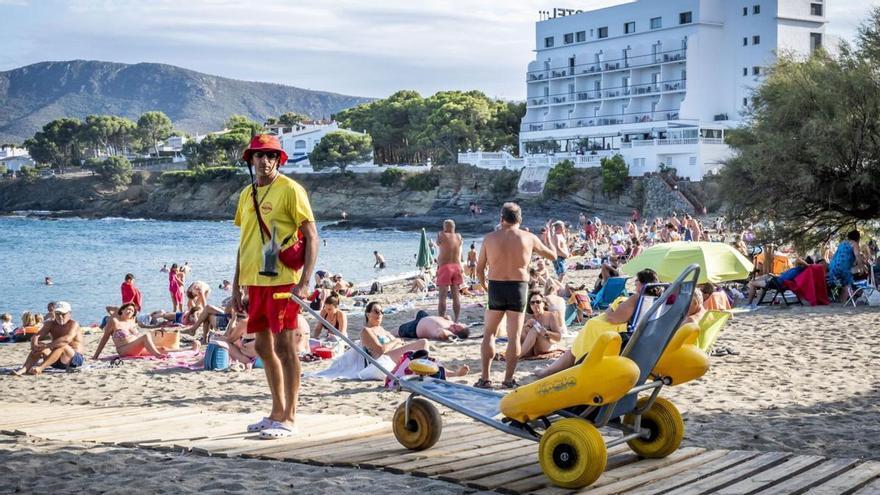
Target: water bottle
{"x": 270, "y": 257}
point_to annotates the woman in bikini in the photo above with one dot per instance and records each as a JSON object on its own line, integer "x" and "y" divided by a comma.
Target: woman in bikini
{"x": 334, "y": 316}
{"x": 378, "y": 342}
{"x": 126, "y": 336}
{"x": 541, "y": 331}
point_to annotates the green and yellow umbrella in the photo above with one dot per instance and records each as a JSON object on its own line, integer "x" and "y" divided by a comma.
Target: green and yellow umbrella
{"x": 718, "y": 262}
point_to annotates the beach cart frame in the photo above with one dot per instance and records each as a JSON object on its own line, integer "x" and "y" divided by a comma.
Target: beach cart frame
{"x": 651, "y": 425}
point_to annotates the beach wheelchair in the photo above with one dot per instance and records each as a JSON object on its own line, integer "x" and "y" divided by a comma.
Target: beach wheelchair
{"x": 564, "y": 412}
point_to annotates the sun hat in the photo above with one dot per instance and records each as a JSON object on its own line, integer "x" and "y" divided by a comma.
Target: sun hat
{"x": 264, "y": 142}
{"x": 62, "y": 307}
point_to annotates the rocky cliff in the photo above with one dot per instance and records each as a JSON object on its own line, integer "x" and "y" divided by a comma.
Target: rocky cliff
{"x": 362, "y": 197}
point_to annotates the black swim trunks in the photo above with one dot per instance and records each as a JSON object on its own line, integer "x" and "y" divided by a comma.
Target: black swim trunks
{"x": 408, "y": 329}
{"x": 508, "y": 295}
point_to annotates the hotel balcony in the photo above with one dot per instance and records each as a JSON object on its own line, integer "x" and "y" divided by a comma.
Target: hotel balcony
{"x": 595, "y": 68}
{"x": 600, "y": 120}
{"x": 633, "y": 91}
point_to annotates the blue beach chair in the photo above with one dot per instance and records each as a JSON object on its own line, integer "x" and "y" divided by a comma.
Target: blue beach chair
{"x": 614, "y": 287}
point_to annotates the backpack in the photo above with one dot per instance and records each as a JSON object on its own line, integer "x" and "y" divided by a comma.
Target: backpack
{"x": 217, "y": 356}
{"x": 376, "y": 288}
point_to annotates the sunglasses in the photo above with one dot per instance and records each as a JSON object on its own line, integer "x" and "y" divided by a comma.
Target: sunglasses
{"x": 272, "y": 155}
{"x": 536, "y": 301}
{"x": 377, "y": 311}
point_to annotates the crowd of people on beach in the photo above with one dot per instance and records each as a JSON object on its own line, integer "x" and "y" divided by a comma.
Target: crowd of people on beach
{"x": 522, "y": 278}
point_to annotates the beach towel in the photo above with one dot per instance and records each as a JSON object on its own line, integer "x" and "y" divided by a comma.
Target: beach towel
{"x": 553, "y": 354}
{"x": 352, "y": 366}
{"x": 810, "y": 285}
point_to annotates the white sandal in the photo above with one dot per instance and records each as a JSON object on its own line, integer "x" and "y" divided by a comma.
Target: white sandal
{"x": 277, "y": 430}
{"x": 260, "y": 426}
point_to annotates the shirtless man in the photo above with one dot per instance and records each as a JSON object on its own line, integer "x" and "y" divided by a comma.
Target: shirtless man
{"x": 63, "y": 352}
{"x": 449, "y": 268}
{"x": 380, "y": 260}
{"x": 507, "y": 253}
{"x": 430, "y": 327}
{"x": 560, "y": 245}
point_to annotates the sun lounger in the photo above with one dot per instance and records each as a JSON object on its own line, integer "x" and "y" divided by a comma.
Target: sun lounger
{"x": 614, "y": 287}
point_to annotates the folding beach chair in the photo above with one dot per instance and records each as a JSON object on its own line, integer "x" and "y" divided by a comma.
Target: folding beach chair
{"x": 778, "y": 290}
{"x": 710, "y": 327}
{"x": 862, "y": 288}
{"x": 614, "y": 287}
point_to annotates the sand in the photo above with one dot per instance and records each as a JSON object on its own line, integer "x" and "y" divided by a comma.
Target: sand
{"x": 805, "y": 381}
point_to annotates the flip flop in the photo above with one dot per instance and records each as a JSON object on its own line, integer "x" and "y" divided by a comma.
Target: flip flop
{"x": 277, "y": 430}
{"x": 116, "y": 362}
{"x": 483, "y": 383}
{"x": 731, "y": 351}
{"x": 260, "y": 425}
{"x": 509, "y": 384}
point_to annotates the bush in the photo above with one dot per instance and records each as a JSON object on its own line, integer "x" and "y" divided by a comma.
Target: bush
{"x": 116, "y": 171}
{"x": 504, "y": 184}
{"x": 199, "y": 175}
{"x": 427, "y": 181}
{"x": 174, "y": 177}
{"x": 615, "y": 173}
{"x": 29, "y": 174}
{"x": 139, "y": 178}
{"x": 562, "y": 180}
{"x": 391, "y": 177}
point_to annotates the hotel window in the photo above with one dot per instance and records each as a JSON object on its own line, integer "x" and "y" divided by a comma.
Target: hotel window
{"x": 745, "y": 71}
{"x": 548, "y": 42}
{"x": 685, "y": 18}
{"x": 816, "y": 9}
{"x": 745, "y": 11}
{"x": 756, "y": 40}
{"x": 580, "y": 36}
{"x": 756, "y": 9}
{"x": 745, "y": 102}
{"x": 568, "y": 38}
{"x": 756, "y": 71}
{"x": 656, "y": 23}
{"x": 815, "y": 41}
{"x": 746, "y": 41}
{"x": 629, "y": 28}
{"x": 603, "y": 32}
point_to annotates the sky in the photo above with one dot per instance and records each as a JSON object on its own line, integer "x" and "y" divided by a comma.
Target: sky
{"x": 344, "y": 46}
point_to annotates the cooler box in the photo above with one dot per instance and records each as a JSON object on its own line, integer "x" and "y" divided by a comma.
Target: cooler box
{"x": 217, "y": 356}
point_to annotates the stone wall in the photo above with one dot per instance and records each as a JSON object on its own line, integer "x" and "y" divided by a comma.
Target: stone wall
{"x": 661, "y": 200}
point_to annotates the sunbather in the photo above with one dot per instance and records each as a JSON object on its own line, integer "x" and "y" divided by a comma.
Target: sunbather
{"x": 126, "y": 337}
{"x": 241, "y": 344}
{"x": 541, "y": 332}
{"x": 762, "y": 281}
{"x": 425, "y": 326}
{"x": 334, "y": 316}
{"x": 377, "y": 341}
{"x": 614, "y": 318}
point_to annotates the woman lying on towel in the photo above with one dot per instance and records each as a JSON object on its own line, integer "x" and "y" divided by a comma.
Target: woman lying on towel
{"x": 378, "y": 342}
{"x": 615, "y": 318}
{"x": 126, "y": 336}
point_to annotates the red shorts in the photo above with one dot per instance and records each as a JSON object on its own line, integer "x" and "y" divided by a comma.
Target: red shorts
{"x": 264, "y": 312}
{"x": 449, "y": 274}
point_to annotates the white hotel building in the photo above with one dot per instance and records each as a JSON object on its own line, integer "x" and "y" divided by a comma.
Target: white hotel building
{"x": 658, "y": 81}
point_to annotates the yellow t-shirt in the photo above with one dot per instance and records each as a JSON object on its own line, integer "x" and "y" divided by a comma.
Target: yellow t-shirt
{"x": 591, "y": 331}
{"x": 286, "y": 206}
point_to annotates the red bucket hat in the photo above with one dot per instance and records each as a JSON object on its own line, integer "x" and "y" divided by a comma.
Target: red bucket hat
{"x": 264, "y": 142}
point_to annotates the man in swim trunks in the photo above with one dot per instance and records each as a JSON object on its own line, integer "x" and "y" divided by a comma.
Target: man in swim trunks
{"x": 472, "y": 261}
{"x": 507, "y": 252}
{"x": 380, "y": 260}
{"x": 560, "y": 245}
{"x": 284, "y": 206}
{"x": 449, "y": 268}
{"x": 65, "y": 351}
{"x": 430, "y": 327}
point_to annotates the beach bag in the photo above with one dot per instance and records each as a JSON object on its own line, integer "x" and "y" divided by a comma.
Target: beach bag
{"x": 874, "y": 298}
{"x": 376, "y": 288}
{"x": 217, "y": 356}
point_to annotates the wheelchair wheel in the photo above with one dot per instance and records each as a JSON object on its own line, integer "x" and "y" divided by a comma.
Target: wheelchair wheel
{"x": 424, "y": 427}
{"x": 666, "y": 428}
{"x": 572, "y": 453}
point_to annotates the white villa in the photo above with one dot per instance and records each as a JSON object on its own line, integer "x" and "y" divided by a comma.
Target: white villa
{"x": 299, "y": 140}
{"x": 657, "y": 81}
{"x": 13, "y": 158}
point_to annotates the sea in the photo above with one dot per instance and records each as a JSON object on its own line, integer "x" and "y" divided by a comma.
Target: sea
{"x": 87, "y": 259}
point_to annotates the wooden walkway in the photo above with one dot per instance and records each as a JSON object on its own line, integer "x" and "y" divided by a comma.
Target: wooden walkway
{"x": 468, "y": 453}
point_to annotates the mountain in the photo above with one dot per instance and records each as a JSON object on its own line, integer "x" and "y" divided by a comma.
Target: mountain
{"x": 33, "y": 95}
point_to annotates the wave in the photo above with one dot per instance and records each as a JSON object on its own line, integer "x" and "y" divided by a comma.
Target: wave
{"x": 122, "y": 219}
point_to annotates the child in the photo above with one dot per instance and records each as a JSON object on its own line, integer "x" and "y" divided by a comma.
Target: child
{"x": 6, "y": 327}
